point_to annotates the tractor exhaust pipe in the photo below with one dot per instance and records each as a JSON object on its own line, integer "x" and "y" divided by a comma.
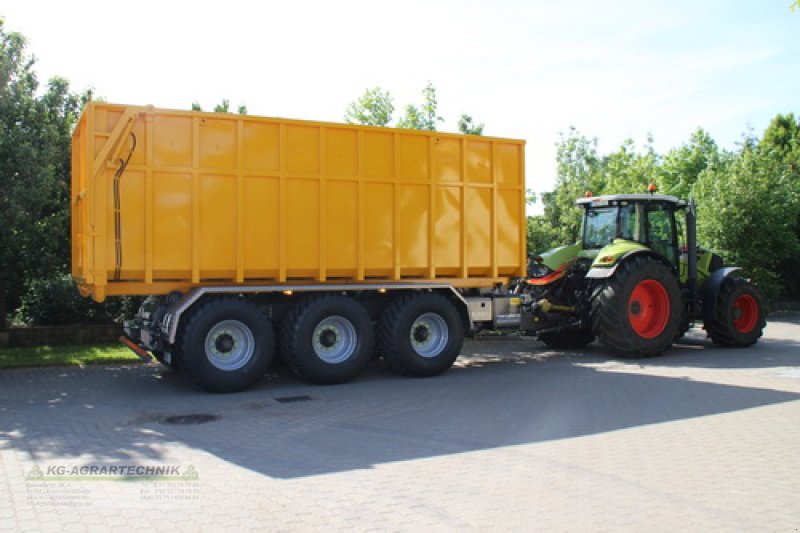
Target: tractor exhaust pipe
{"x": 691, "y": 243}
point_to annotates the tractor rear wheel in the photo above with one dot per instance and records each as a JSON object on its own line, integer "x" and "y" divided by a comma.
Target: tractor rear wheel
{"x": 739, "y": 319}
{"x": 637, "y": 313}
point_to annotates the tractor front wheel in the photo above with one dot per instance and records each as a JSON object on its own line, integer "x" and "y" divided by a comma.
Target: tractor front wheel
{"x": 637, "y": 313}
{"x": 739, "y": 319}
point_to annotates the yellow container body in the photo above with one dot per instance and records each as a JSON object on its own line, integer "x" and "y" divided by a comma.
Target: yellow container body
{"x": 222, "y": 199}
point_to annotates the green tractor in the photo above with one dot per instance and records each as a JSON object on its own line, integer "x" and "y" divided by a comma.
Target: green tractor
{"x": 637, "y": 281}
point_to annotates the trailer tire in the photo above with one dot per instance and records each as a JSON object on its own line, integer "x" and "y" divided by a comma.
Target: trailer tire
{"x": 739, "y": 319}
{"x": 637, "y": 312}
{"x": 327, "y": 339}
{"x": 420, "y": 334}
{"x": 226, "y": 345}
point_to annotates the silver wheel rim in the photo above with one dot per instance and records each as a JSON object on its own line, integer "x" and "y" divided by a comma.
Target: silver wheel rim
{"x": 230, "y": 345}
{"x": 429, "y": 335}
{"x": 334, "y": 339}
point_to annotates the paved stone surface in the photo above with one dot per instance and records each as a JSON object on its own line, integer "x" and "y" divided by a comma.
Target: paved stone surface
{"x": 514, "y": 437}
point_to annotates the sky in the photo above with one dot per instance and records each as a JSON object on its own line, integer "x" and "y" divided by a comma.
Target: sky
{"x": 527, "y": 69}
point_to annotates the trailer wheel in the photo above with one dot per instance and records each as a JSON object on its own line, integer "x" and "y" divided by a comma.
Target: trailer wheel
{"x": 637, "y": 313}
{"x": 327, "y": 339}
{"x": 226, "y": 345}
{"x": 420, "y": 334}
{"x": 739, "y": 320}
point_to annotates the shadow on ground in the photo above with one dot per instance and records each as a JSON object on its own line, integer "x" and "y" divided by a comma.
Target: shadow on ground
{"x": 500, "y": 393}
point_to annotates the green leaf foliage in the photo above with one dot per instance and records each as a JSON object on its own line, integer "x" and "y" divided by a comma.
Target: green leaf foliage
{"x": 424, "y": 117}
{"x": 35, "y": 139}
{"x": 53, "y": 300}
{"x": 748, "y": 198}
{"x": 468, "y": 127}
{"x": 376, "y": 107}
{"x": 373, "y": 108}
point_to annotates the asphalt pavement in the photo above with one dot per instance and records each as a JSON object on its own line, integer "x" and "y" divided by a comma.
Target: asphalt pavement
{"x": 514, "y": 437}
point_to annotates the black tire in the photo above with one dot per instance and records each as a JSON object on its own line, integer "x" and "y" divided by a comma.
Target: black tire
{"x": 740, "y": 317}
{"x": 226, "y": 344}
{"x": 327, "y": 339}
{"x": 637, "y": 313}
{"x": 567, "y": 338}
{"x": 683, "y": 328}
{"x": 434, "y": 324}
{"x": 161, "y": 357}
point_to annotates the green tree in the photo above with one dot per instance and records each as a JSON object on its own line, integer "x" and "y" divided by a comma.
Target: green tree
{"x": 468, "y": 127}
{"x": 424, "y": 117}
{"x": 580, "y": 170}
{"x": 627, "y": 170}
{"x": 681, "y": 167}
{"x": 376, "y": 107}
{"x": 222, "y": 107}
{"x": 542, "y": 235}
{"x": 750, "y": 207}
{"x": 35, "y": 139}
{"x": 373, "y": 108}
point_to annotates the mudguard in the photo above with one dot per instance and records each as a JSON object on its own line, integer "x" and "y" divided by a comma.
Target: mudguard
{"x": 607, "y": 272}
{"x": 710, "y": 290}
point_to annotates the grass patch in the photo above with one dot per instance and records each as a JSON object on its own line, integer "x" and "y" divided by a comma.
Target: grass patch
{"x": 70, "y": 355}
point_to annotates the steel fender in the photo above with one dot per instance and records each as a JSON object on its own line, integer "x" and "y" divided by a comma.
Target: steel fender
{"x": 710, "y": 290}
{"x": 602, "y": 273}
{"x": 607, "y": 272}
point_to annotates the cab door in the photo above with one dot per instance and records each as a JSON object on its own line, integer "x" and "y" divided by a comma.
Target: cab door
{"x": 661, "y": 231}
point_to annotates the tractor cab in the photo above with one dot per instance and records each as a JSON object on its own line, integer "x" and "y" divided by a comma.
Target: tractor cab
{"x": 614, "y": 223}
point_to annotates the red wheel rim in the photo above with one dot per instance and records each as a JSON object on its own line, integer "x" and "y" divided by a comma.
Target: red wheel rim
{"x": 649, "y": 309}
{"x": 745, "y": 313}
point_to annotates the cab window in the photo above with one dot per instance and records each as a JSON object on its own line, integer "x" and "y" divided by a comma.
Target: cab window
{"x": 600, "y": 227}
{"x": 629, "y": 226}
{"x": 660, "y": 231}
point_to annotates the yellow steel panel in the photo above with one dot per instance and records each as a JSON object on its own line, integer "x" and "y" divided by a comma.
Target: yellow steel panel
{"x": 261, "y": 146}
{"x": 448, "y": 159}
{"x": 378, "y": 160}
{"x": 479, "y": 226}
{"x": 412, "y": 157}
{"x": 509, "y": 168}
{"x": 225, "y": 199}
{"x": 302, "y": 150}
{"x": 447, "y": 230}
{"x": 479, "y": 161}
{"x": 172, "y": 141}
{"x": 508, "y": 242}
{"x": 302, "y": 228}
{"x": 262, "y": 226}
{"x": 217, "y": 226}
{"x": 132, "y": 201}
{"x": 342, "y": 227}
{"x": 342, "y": 152}
{"x": 139, "y": 156}
{"x": 78, "y": 202}
{"x": 172, "y": 242}
{"x": 413, "y": 230}
{"x": 379, "y": 231}
{"x": 217, "y": 143}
